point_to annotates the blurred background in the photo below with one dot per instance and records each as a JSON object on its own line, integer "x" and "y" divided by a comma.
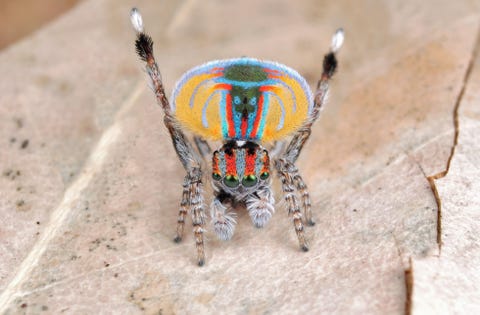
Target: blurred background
{"x": 19, "y": 18}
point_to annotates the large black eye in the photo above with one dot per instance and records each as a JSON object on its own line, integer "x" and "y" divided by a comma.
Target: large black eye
{"x": 231, "y": 181}
{"x": 249, "y": 180}
{"x": 216, "y": 176}
{"x": 264, "y": 175}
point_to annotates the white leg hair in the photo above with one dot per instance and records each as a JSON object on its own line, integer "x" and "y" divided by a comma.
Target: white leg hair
{"x": 223, "y": 222}
{"x": 261, "y": 208}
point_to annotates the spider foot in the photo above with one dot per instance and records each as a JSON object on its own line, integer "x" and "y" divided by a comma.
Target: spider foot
{"x": 223, "y": 222}
{"x": 261, "y": 208}
{"x": 260, "y": 216}
{"x": 224, "y": 227}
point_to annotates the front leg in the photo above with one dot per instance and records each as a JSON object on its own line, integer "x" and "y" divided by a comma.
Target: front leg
{"x": 305, "y": 195}
{"x": 184, "y": 207}
{"x": 198, "y": 212}
{"x": 286, "y": 171}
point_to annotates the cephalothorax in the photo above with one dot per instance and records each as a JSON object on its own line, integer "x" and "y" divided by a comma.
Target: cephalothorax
{"x": 245, "y": 103}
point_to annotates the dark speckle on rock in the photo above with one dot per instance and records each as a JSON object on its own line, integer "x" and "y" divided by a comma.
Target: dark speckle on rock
{"x": 18, "y": 122}
{"x": 111, "y": 247}
{"x": 12, "y": 174}
{"x": 24, "y": 144}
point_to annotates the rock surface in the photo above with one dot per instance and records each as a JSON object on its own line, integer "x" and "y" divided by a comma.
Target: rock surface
{"x": 90, "y": 183}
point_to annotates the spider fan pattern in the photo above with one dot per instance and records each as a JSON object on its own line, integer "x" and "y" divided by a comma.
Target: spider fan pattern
{"x": 242, "y": 99}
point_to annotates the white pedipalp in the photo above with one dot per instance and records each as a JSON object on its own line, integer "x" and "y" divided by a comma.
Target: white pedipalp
{"x": 223, "y": 222}
{"x": 261, "y": 208}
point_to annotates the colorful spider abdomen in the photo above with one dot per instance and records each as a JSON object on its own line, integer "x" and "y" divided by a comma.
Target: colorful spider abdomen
{"x": 240, "y": 166}
{"x": 242, "y": 99}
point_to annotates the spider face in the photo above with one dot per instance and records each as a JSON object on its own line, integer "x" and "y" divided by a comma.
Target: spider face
{"x": 239, "y": 168}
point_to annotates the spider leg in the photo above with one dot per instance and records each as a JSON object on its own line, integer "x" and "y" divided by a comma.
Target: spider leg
{"x": 198, "y": 212}
{"x": 261, "y": 206}
{"x": 285, "y": 170}
{"x": 320, "y": 98}
{"x": 203, "y": 147}
{"x": 182, "y": 213}
{"x": 192, "y": 196}
{"x": 285, "y": 165}
{"x": 277, "y": 149}
{"x": 223, "y": 221}
{"x": 305, "y": 195}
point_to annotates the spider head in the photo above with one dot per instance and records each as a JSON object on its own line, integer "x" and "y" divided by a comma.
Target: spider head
{"x": 240, "y": 167}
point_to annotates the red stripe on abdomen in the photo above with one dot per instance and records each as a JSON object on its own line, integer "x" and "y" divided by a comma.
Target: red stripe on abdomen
{"x": 223, "y": 86}
{"x": 229, "y": 112}
{"x": 244, "y": 126}
{"x": 253, "y": 133}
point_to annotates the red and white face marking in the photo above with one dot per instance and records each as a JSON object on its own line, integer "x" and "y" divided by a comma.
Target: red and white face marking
{"x": 240, "y": 166}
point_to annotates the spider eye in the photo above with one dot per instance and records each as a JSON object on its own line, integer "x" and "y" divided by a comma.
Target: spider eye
{"x": 216, "y": 176}
{"x": 249, "y": 180}
{"x": 231, "y": 181}
{"x": 264, "y": 175}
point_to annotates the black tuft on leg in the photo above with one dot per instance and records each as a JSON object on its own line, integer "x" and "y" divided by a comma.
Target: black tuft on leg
{"x": 144, "y": 46}
{"x": 329, "y": 64}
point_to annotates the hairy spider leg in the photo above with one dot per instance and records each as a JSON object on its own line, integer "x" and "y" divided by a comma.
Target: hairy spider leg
{"x": 285, "y": 164}
{"x": 192, "y": 196}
